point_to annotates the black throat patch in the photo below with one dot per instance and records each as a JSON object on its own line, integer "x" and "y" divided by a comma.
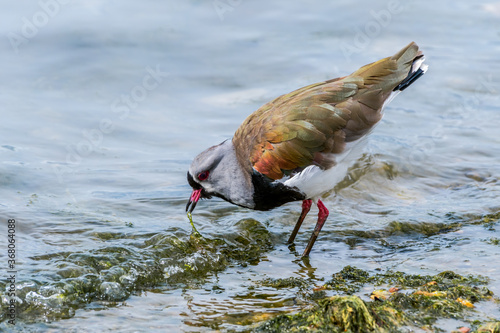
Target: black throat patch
{"x": 269, "y": 194}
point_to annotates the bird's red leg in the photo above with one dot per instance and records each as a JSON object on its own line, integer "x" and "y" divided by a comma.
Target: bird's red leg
{"x": 322, "y": 216}
{"x": 306, "y": 206}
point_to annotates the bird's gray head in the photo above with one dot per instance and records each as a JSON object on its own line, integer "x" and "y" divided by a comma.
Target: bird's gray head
{"x": 216, "y": 172}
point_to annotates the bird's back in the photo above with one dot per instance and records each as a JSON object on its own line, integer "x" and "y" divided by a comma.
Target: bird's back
{"x": 312, "y": 126}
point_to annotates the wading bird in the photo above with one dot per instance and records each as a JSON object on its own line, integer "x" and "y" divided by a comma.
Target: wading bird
{"x": 300, "y": 145}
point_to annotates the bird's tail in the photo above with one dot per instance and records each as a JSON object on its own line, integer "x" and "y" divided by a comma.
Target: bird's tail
{"x": 394, "y": 73}
{"x": 418, "y": 68}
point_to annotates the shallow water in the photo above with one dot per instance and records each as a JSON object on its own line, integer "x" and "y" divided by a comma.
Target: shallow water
{"x": 106, "y": 103}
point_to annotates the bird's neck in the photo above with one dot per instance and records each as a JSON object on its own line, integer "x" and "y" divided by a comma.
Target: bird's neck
{"x": 238, "y": 187}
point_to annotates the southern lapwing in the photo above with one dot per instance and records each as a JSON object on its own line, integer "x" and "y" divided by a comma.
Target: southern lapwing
{"x": 300, "y": 145}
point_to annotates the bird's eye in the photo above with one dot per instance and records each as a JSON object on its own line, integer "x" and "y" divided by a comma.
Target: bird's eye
{"x": 203, "y": 175}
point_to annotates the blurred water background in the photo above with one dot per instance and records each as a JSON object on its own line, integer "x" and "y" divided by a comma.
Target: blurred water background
{"x": 105, "y": 103}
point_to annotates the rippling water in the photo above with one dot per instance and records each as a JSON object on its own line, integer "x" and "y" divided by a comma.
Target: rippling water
{"x": 106, "y": 103}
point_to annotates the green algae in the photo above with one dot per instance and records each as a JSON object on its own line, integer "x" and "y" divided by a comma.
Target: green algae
{"x": 349, "y": 280}
{"x": 417, "y": 301}
{"x": 195, "y": 231}
{"x": 335, "y": 314}
{"x": 493, "y": 327}
{"x": 290, "y": 282}
{"x": 493, "y": 241}
{"x": 487, "y": 220}
{"x": 111, "y": 274}
{"x": 453, "y": 222}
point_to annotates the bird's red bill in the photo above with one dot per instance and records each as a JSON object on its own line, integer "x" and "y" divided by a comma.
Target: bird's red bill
{"x": 193, "y": 200}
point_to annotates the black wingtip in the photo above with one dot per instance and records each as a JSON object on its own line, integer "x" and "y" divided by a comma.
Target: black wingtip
{"x": 414, "y": 74}
{"x": 409, "y": 80}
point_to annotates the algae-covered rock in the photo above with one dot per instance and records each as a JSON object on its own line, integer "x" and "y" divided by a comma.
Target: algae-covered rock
{"x": 493, "y": 327}
{"x": 110, "y": 274}
{"x": 417, "y": 301}
{"x": 349, "y": 313}
{"x": 349, "y": 280}
{"x": 290, "y": 282}
{"x": 336, "y": 314}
